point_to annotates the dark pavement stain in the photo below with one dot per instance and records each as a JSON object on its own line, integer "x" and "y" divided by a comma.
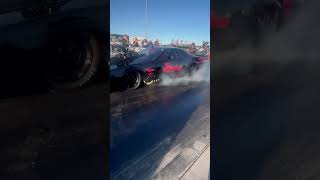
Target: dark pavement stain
{"x": 158, "y": 122}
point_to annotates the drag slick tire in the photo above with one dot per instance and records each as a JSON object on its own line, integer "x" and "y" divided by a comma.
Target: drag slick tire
{"x": 76, "y": 61}
{"x": 134, "y": 80}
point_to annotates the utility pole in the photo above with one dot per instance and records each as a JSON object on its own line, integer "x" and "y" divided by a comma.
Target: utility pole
{"x": 146, "y": 19}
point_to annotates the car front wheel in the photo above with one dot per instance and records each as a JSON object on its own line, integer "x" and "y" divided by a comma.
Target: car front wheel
{"x": 134, "y": 80}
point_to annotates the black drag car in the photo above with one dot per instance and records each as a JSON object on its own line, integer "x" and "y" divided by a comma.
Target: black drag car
{"x": 147, "y": 67}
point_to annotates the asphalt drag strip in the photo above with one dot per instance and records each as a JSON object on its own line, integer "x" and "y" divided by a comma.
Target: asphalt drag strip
{"x": 162, "y": 140}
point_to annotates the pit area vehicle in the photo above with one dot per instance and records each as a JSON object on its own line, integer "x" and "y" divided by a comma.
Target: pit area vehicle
{"x": 202, "y": 58}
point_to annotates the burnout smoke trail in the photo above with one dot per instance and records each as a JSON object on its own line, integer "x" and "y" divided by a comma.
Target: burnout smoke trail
{"x": 201, "y": 75}
{"x": 297, "y": 40}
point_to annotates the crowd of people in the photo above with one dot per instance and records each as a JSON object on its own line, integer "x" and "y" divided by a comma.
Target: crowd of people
{"x": 124, "y": 41}
{"x": 136, "y": 45}
{"x": 145, "y": 43}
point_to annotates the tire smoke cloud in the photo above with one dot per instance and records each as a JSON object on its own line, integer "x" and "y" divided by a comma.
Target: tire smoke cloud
{"x": 298, "y": 39}
{"x": 201, "y": 75}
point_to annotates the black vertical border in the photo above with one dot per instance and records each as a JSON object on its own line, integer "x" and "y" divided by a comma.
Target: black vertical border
{"x": 107, "y": 122}
{"x": 212, "y": 3}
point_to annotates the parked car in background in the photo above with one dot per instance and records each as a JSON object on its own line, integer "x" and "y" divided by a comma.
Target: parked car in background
{"x": 202, "y": 57}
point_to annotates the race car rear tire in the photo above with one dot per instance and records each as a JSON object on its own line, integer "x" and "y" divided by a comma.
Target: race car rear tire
{"x": 88, "y": 61}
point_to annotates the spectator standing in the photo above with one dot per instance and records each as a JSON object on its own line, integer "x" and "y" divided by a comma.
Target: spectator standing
{"x": 156, "y": 43}
{"x": 193, "y": 48}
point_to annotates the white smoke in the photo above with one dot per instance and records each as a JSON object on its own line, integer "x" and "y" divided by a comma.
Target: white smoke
{"x": 201, "y": 75}
{"x": 297, "y": 40}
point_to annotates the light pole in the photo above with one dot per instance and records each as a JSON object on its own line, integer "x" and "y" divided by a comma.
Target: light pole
{"x": 146, "y": 18}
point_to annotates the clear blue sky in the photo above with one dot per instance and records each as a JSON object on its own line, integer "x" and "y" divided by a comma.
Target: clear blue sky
{"x": 167, "y": 19}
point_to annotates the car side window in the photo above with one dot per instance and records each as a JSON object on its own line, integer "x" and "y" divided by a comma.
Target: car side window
{"x": 165, "y": 55}
{"x": 184, "y": 56}
{"x": 174, "y": 55}
{"x": 178, "y": 55}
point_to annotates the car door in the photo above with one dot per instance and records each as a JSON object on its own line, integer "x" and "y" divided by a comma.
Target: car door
{"x": 185, "y": 59}
{"x": 165, "y": 61}
{"x": 180, "y": 62}
{"x": 172, "y": 65}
